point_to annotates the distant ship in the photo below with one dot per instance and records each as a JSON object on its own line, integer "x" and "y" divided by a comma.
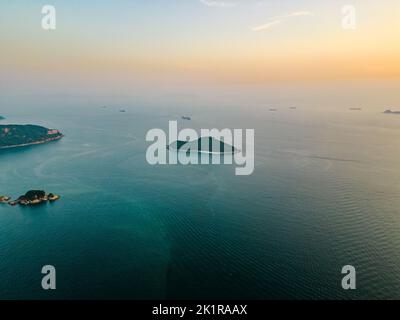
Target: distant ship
{"x": 391, "y": 112}
{"x": 186, "y": 118}
{"x": 355, "y": 109}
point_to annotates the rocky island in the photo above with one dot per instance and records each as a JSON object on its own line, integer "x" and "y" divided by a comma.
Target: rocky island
{"x": 32, "y": 197}
{"x": 4, "y": 199}
{"x": 12, "y": 136}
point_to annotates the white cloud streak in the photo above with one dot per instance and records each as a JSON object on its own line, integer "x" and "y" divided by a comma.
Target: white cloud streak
{"x": 281, "y": 19}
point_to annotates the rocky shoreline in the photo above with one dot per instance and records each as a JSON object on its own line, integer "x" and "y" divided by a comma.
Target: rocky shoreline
{"x": 33, "y": 143}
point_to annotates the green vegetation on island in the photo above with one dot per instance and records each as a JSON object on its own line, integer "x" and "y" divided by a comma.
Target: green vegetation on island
{"x": 208, "y": 145}
{"x": 2, "y": 118}
{"x": 24, "y": 135}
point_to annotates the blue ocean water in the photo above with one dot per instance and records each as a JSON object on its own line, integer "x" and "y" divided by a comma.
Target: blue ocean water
{"x": 325, "y": 193}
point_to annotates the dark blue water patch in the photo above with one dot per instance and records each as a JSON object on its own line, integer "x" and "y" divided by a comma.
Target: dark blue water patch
{"x": 125, "y": 229}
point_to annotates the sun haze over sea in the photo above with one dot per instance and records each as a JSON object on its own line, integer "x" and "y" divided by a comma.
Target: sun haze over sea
{"x": 122, "y": 46}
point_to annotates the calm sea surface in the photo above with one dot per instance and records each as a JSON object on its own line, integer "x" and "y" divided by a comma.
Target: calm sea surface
{"x": 325, "y": 193}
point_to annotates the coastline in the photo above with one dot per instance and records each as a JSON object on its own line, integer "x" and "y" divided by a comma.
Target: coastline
{"x": 33, "y": 143}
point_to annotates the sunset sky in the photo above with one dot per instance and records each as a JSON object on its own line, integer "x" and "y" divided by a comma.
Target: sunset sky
{"x": 229, "y": 41}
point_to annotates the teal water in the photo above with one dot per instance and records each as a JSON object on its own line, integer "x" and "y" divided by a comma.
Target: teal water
{"x": 325, "y": 193}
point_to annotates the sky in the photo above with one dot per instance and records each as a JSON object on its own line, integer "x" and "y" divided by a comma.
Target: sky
{"x": 122, "y": 43}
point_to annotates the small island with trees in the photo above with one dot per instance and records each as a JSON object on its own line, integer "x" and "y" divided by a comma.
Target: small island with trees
{"x": 208, "y": 145}
{"x": 12, "y": 135}
{"x": 32, "y": 197}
